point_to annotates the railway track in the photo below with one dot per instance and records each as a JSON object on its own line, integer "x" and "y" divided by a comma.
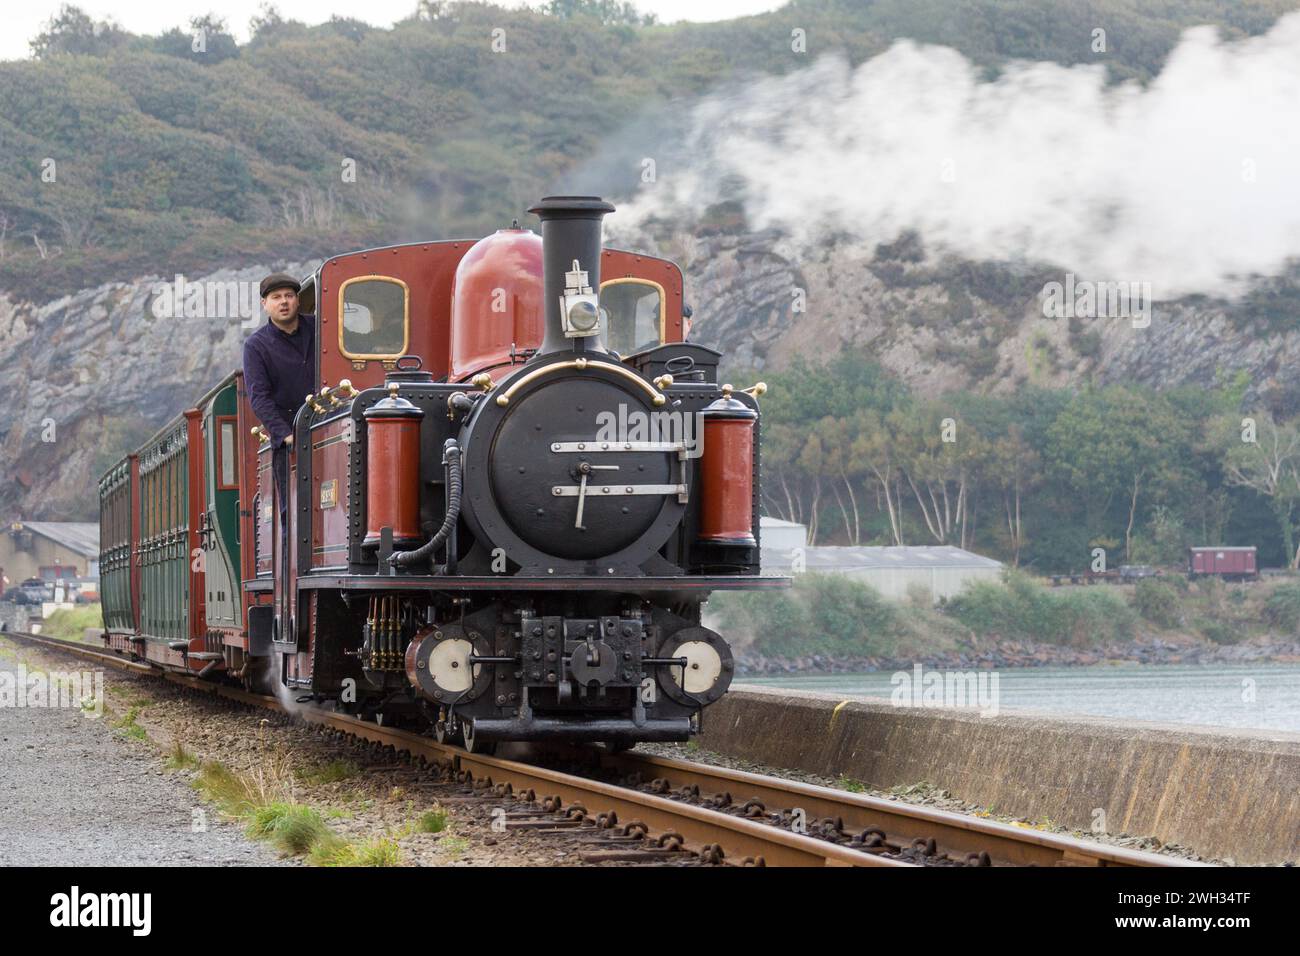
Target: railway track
{"x": 716, "y": 814}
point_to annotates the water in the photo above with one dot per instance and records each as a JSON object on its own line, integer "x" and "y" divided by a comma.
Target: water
{"x": 1248, "y": 696}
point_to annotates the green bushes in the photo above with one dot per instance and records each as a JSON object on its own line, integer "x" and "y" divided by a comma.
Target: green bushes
{"x": 1158, "y": 602}
{"x": 1282, "y": 609}
{"x": 839, "y": 616}
{"x": 1021, "y": 608}
{"x": 1220, "y": 632}
{"x": 820, "y": 614}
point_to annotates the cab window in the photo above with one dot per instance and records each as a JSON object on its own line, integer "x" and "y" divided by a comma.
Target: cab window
{"x": 374, "y": 317}
{"x": 631, "y": 314}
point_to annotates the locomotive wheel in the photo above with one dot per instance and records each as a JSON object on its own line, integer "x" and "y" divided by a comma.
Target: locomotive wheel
{"x": 472, "y": 744}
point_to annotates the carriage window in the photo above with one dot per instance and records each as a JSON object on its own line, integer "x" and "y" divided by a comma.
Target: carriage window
{"x": 374, "y": 317}
{"x": 631, "y": 314}
{"x": 227, "y": 449}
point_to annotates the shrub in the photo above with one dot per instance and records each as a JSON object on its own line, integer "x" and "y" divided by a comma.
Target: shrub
{"x": 1220, "y": 632}
{"x": 1021, "y": 608}
{"x": 1158, "y": 602}
{"x": 1282, "y": 609}
{"x": 820, "y": 614}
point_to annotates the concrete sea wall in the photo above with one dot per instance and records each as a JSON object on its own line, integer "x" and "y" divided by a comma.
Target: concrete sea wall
{"x": 1224, "y": 793}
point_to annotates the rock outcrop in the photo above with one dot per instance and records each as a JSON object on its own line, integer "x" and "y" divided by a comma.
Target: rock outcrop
{"x": 89, "y": 376}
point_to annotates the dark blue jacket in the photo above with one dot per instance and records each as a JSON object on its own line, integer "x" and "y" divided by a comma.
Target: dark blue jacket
{"x": 279, "y": 371}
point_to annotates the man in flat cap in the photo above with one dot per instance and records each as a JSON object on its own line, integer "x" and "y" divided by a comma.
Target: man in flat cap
{"x": 279, "y": 371}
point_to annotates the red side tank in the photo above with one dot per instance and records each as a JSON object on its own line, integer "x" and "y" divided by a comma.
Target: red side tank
{"x": 727, "y": 473}
{"x": 393, "y": 470}
{"x": 496, "y": 301}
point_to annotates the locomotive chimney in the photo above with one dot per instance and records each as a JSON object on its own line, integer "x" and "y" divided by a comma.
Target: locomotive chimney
{"x": 571, "y": 233}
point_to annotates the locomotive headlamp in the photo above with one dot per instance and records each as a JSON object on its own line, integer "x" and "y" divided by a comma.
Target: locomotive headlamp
{"x": 583, "y": 316}
{"x": 579, "y": 308}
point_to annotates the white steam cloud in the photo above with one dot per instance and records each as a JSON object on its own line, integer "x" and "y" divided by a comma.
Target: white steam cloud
{"x": 1191, "y": 183}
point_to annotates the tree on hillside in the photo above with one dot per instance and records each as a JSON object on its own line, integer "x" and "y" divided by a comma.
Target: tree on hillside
{"x": 208, "y": 32}
{"x": 72, "y": 31}
{"x": 944, "y": 459}
{"x": 609, "y": 12}
{"x": 268, "y": 24}
{"x": 1117, "y": 441}
{"x": 874, "y": 452}
{"x": 1269, "y": 466}
{"x": 1014, "y": 468}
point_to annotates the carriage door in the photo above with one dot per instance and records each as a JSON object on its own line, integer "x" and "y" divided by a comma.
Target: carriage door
{"x": 219, "y": 524}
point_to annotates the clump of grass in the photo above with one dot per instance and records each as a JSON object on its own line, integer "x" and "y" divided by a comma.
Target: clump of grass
{"x": 333, "y": 850}
{"x": 432, "y": 821}
{"x": 294, "y": 828}
{"x": 127, "y": 724}
{"x": 332, "y": 772}
{"x": 330, "y": 850}
{"x": 377, "y": 852}
{"x": 180, "y": 758}
{"x": 851, "y": 785}
{"x": 232, "y": 793}
{"x": 454, "y": 846}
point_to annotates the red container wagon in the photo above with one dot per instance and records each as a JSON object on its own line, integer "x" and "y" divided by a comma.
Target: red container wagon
{"x": 1230, "y": 564}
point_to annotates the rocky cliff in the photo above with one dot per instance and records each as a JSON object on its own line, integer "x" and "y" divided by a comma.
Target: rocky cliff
{"x": 89, "y": 376}
{"x": 950, "y": 324}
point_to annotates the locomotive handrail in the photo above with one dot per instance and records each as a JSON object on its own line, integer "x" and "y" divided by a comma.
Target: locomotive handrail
{"x": 580, "y": 364}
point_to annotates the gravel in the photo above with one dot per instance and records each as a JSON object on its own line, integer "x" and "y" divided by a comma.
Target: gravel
{"x": 81, "y": 791}
{"x": 76, "y": 791}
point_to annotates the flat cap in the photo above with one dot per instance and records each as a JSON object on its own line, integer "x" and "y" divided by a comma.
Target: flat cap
{"x": 279, "y": 280}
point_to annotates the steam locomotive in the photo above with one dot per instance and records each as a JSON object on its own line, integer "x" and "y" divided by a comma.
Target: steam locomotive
{"x": 509, "y": 496}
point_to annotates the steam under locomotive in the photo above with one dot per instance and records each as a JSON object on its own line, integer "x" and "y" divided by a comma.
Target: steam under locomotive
{"x": 511, "y": 492}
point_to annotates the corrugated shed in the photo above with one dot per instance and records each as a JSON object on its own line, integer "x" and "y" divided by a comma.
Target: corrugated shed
{"x": 79, "y": 536}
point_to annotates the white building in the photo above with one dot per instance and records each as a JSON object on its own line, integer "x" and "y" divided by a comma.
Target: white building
{"x": 942, "y": 570}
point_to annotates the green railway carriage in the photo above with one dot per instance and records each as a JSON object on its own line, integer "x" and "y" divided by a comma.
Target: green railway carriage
{"x": 116, "y": 523}
{"x": 170, "y": 533}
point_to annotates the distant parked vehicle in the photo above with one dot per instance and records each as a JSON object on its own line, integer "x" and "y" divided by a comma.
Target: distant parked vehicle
{"x": 1136, "y": 572}
{"x": 1124, "y": 574}
{"x": 33, "y": 591}
{"x": 1229, "y": 564}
